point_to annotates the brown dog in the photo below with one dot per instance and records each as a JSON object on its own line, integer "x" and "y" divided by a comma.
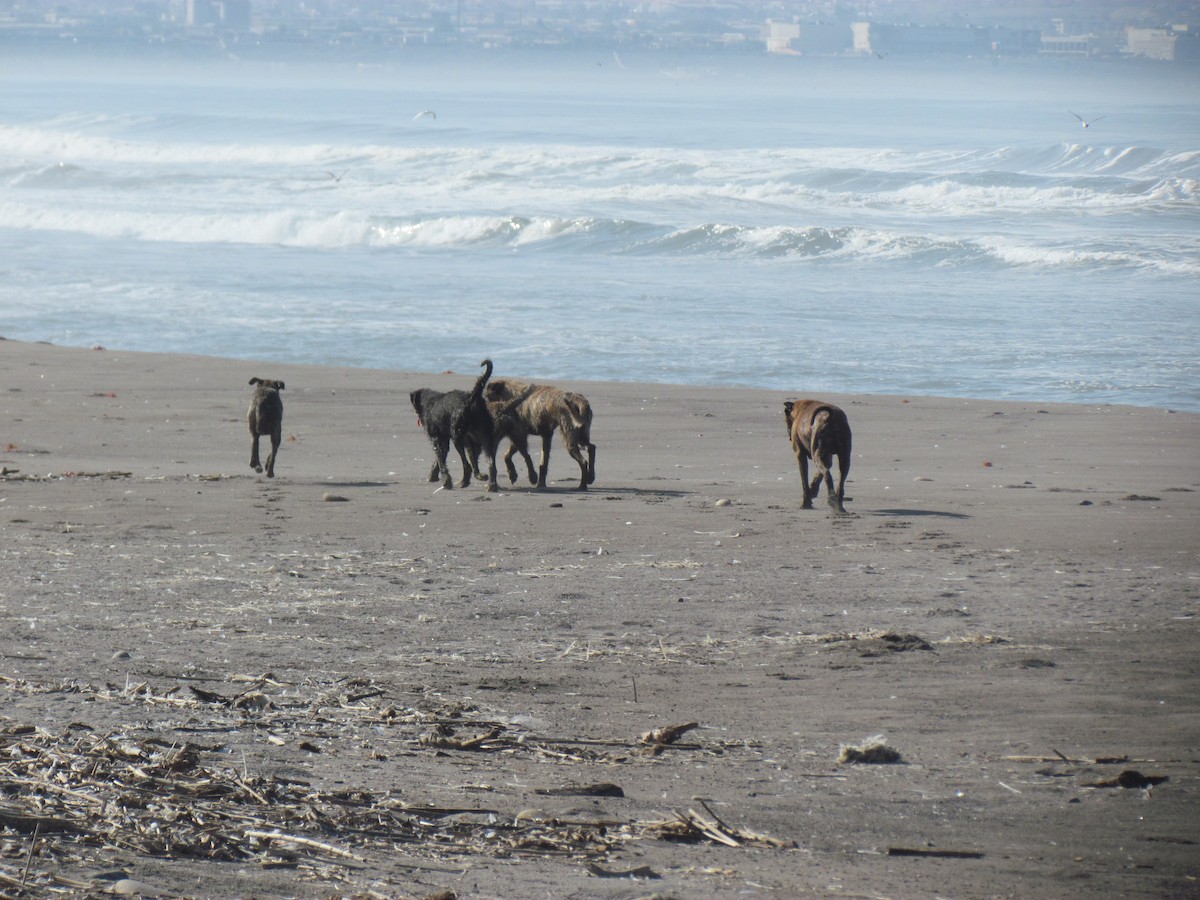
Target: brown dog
{"x": 543, "y": 410}
{"x": 819, "y": 431}
{"x": 265, "y": 417}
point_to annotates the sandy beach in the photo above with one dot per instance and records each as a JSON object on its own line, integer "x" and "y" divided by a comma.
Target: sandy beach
{"x": 345, "y": 682}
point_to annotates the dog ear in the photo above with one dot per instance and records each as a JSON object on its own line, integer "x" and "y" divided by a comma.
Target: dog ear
{"x": 256, "y": 381}
{"x": 279, "y": 385}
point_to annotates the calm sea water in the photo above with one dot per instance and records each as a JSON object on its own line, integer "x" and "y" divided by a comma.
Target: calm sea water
{"x": 805, "y": 225}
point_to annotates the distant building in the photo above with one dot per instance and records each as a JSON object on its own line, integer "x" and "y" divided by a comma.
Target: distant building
{"x": 1153, "y": 43}
{"x": 780, "y": 36}
{"x": 231, "y": 15}
{"x": 825, "y": 38}
{"x": 1067, "y": 44}
{"x": 925, "y": 39}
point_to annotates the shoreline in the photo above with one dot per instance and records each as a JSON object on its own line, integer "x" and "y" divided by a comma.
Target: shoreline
{"x": 782, "y": 392}
{"x": 424, "y": 683}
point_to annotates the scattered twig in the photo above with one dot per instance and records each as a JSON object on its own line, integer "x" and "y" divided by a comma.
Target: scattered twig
{"x": 303, "y": 842}
{"x": 29, "y": 856}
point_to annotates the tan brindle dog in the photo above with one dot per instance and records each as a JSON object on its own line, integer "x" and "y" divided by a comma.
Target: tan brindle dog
{"x": 543, "y": 410}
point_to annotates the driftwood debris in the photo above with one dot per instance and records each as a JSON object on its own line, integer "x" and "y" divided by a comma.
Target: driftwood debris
{"x": 443, "y": 738}
{"x": 157, "y": 792}
{"x": 935, "y": 852}
{"x": 692, "y": 827}
{"x": 604, "y": 789}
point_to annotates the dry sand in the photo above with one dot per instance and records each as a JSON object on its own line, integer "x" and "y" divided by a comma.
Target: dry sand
{"x": 445, "y": 691}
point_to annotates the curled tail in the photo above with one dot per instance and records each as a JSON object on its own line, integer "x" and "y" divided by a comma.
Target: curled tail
{"x": 580, "y": 409}
{"x": 481, "y": 381}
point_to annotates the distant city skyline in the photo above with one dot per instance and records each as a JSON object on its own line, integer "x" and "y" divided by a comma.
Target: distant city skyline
{"x": 1167, "y": 30}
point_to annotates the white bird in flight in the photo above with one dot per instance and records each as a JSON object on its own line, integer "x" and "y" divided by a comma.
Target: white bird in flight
{"x": 1084, "y": 122}
{"x": 423, "y": 113}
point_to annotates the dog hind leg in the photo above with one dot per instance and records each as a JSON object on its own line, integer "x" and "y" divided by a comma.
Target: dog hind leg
{"x": 276, "y": 438}
{"x": 441, "y": 449}
{"x": 843, "y": 471}
{"x": 577, "y": 454}
{"x": 802, "y": 459}
{"x": 466, "y": 464}
{"x": 544, "y": 467}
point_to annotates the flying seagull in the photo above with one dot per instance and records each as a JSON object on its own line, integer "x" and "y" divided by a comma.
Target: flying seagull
{"x": 334, "y": 175}
{"x": 423, "y": 113}
{"x": 1084, "y": 122}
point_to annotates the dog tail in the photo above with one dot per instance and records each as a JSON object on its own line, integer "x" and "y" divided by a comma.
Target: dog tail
{"x": 481, "y": 381}
{"x": 581, "y": 410}
{"x": 823, "y": 441}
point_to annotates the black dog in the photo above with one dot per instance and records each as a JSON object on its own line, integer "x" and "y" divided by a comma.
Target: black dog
{"x": 265, "y": 417}
{"x": 461, "y": 420}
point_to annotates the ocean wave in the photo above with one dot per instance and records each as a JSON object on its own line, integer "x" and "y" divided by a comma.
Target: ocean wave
{"x": 190, "y": 139}
{"x": 1017, "y": 253}
{"x": 586, "y": 235}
